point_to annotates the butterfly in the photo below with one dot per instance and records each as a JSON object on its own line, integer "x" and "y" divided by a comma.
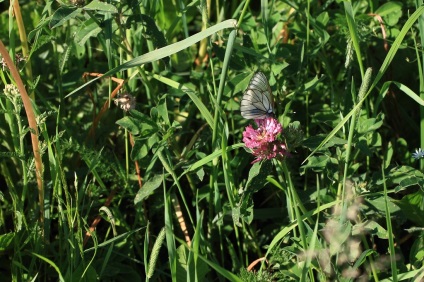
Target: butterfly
{"x": 257, "y": 102}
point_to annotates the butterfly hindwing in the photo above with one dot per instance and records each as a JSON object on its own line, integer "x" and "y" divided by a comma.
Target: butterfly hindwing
{"x": 257, "y": 102}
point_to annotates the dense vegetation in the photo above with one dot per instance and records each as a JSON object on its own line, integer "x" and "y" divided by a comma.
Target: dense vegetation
{"x": 122, "y": 153}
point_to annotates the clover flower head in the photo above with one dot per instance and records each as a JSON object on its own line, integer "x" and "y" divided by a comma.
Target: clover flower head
{"x": 263, "y": 141}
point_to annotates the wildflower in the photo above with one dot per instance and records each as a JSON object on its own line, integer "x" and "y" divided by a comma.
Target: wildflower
{"x": 419, "y": 154}
{"x": 11, "y": 90}
{"x": 3, "y": 64}
{"x": 126, "y": 102}
{"x": 18, "y": 58}
{"x": 264, "y": 141}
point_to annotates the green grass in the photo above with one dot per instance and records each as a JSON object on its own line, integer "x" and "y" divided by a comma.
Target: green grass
{"x": 167, "y": 191}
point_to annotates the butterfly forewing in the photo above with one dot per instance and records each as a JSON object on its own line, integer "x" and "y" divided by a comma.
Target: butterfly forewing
{"x": 257, "y": 100}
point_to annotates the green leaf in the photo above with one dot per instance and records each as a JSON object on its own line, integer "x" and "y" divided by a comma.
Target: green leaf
{"x": 388, "y": 8}
{"x": 412, "y": 206}
{"x": 403, "y": 176}
{"x": 186, "y": 266}
{"x": 98, "y": 6}
{"x": 238, "y": 83}
{"x": 245, "y": 209}
{"x": 62, "y": 15}
{"x": 380, "y": 204}
{"x": 362, "y": 145}
{"x": 257, "y": 176}
{"x": 410, "y": 180}
{"x": 371, "y": 124}
{"x": 200, "y": 173}
{"x": 129, "y": 124}
{"x": 317, "y": 163}
{"x": 236, "y": 215}
{"x": 278, "y": 67}
{"x": 323, "y": 18}
{"x": 416, "y": 256}
{"x": 314, "y": 141}
{"x": 370, "y": 227}
{"x": 362, "y": 258}
{"x": 88, "y": 29}
{"x": 253, "y": 172}
{"x": 320, "y": 31}
{"x": 139, "y": 125}
{"x": 162, "y": 110}
{"x": 139, "y": 150}
{"x": 390, "y": 12}
{"x": 6, "y": 240}
{"x": 148, "y": 188}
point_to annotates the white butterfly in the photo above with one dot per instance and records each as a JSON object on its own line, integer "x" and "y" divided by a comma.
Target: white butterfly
{"x": 257, "y": 102}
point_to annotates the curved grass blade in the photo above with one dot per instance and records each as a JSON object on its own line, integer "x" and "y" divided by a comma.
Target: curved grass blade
{"x": 164, "y": 52}
{"x": 52, "y": 264}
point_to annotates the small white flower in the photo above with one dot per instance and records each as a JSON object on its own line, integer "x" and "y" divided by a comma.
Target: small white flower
{"x": 419, "y": 153}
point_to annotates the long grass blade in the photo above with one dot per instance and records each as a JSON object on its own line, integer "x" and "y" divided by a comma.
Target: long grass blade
{"x": 163, "y": 52}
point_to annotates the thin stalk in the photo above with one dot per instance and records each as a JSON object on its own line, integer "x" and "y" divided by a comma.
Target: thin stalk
{"x": 222, "y": 81}
{"x": 183, "y": 17}
{"x": 389, "y": 230}
{"x": 150, "y": 45}
{"x": 308, "y": 7}
{"x": 297, "y": 206}
{"x": 24, "y": 40}
{"x": 203, "y": 45}
{"x": 127, "y": 155}
{"x": 22, "y": 150}
{"x": 217, "y": 116}
{"x": 420, "y": 63}
{"x": 293, "y": 196}
{"x": 246, "y": 5}
{"x": 229, "y": 185}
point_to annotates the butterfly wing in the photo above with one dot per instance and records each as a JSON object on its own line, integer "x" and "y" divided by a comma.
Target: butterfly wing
{"x": 257, "y": 102}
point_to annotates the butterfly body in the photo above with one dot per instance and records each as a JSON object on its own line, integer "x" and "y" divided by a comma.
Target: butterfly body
{"x": 257, "y": 102}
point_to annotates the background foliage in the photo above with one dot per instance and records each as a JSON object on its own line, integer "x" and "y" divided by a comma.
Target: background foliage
{"x": 166, "y": 191}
